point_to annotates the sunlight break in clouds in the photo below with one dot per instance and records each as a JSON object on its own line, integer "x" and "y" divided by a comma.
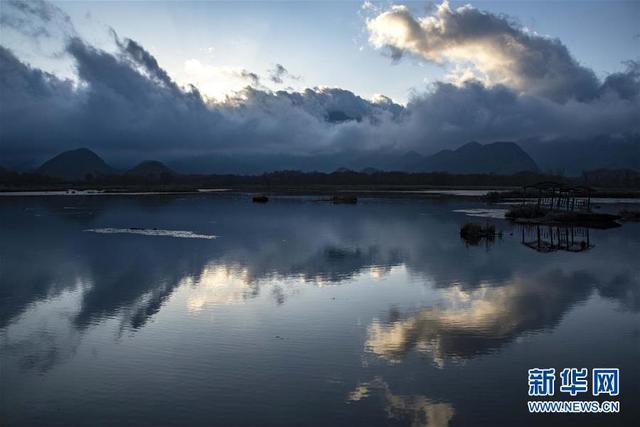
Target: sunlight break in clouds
{"x": 217, "y": 82}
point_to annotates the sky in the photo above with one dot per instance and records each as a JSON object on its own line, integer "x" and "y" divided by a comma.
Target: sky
{"x": 186, "y": 78}
{"x": 325, "y": 42}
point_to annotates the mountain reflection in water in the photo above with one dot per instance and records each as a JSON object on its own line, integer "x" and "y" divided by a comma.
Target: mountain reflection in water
{"x": 294, "y": 306}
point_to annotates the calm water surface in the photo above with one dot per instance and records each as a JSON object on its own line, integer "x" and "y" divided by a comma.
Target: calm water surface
{"x": 210, "y": 310}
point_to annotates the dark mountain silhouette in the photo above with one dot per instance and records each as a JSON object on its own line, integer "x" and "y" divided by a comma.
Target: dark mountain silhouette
{"x": 558, "y": 156}
{"x": 342, "y": 169}
{"x": 75, "y": 165}
{"x": 411, "y": 161}
{"x": 370, "y": 171}
{"x": 620, "y": 178}
{"x": 499, "y": 158}
{"x": 150, "y": 169}
{"x": 572, "y": 157}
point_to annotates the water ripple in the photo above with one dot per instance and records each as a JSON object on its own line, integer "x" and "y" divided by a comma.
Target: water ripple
{"x": 153, "y": 232}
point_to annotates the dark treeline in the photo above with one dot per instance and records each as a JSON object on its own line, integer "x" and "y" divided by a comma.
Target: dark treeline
{"x": 627, "y": 179}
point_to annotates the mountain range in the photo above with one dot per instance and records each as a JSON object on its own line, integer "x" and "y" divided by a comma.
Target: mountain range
{"x": 500, "y": 158}
{"x": 83, "y": 163}
{"x": 151, "y": 169}
{"x": 572, "y": 157}
{"x": 75, "y": 165}
{"x": 569, "y": 157}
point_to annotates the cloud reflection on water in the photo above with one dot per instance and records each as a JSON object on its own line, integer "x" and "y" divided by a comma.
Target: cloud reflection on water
{"x": 490, "y": 298}
{"x": 218, "y": 285}
{"x": 470, "y": 322}
{"x": 418, "y": 410}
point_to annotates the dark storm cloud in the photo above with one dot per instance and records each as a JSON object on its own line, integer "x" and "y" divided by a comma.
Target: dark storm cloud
{"x": 253, "y": 78}
{"x": 625, "y": 84}
{"x": 472, "y": 110}
{"x": 278, "y": 74}
{"x": 33, "y": 104}
{"x": 320, "y": 102}
{"x": 36, "y": 18}
{"x": 143, "y": 58}
{"x": 124, "y": 103}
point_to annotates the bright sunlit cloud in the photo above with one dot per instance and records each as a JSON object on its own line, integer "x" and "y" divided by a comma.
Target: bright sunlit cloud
{"x": 216, "y": 82}
{"x": 484, "y": 45}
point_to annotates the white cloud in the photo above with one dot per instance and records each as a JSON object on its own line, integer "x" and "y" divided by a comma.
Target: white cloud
{"x": 498, "y": 50}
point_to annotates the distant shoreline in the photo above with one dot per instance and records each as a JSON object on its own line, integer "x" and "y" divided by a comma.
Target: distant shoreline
{"x": 489, "y": 193}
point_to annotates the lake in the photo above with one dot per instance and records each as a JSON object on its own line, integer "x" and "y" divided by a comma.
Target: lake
{"x": 203, "y": 310}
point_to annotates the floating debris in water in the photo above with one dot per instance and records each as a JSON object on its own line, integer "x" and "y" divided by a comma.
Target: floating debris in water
{"x": 484, "y": 213}
{"x": 260, "y": 199}
{"x": 344, "y": 199}
{"x": 153, "y": 232}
